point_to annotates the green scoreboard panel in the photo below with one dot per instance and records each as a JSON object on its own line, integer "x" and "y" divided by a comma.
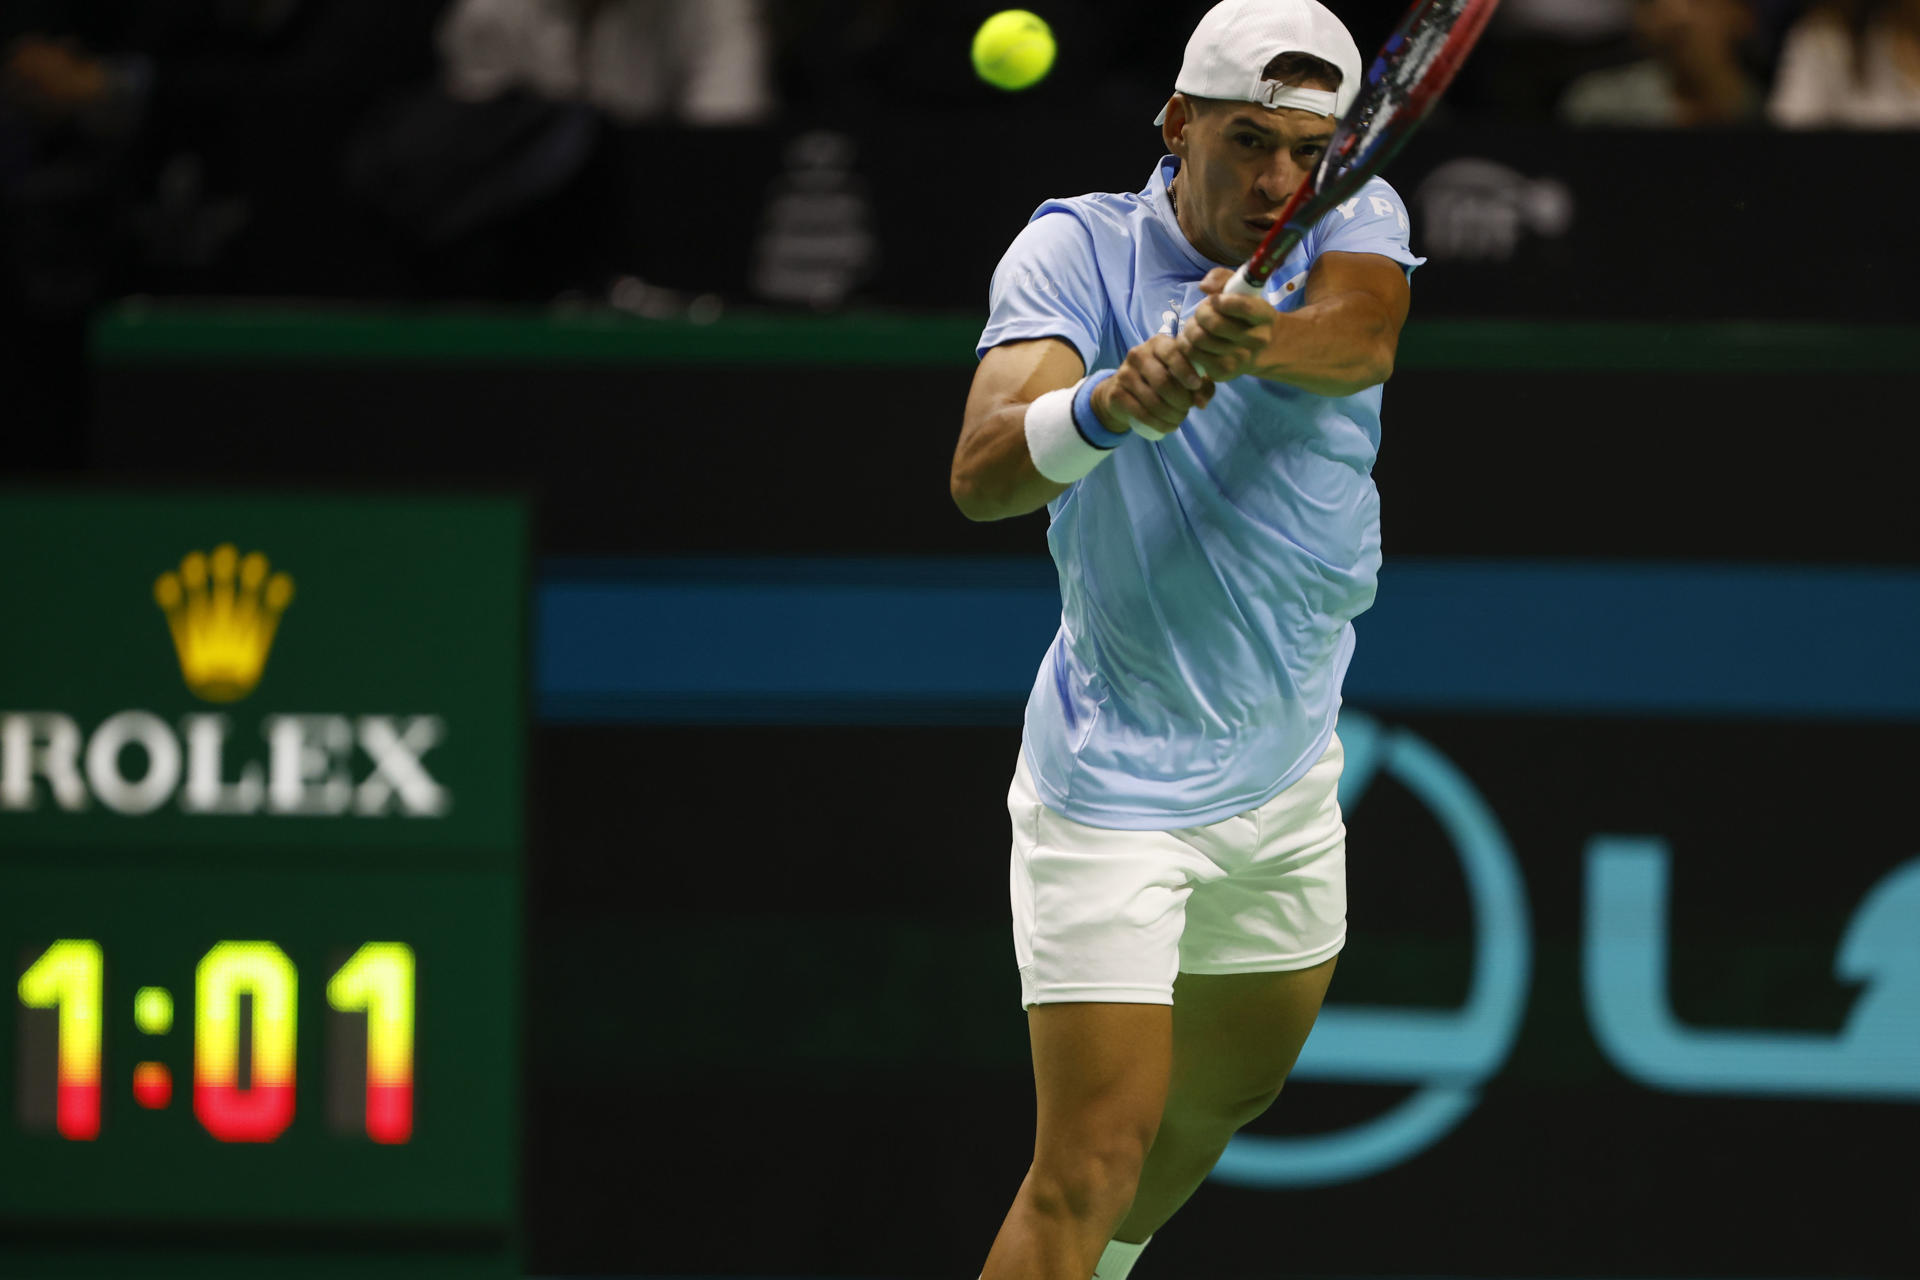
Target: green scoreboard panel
{"x": 260, "y": 841}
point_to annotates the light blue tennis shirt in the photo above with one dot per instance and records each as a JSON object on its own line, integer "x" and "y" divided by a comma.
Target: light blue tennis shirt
{"x": 1208, "y": 583}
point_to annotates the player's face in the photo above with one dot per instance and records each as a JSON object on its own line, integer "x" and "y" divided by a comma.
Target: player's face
{"x": 1239, "y": 163}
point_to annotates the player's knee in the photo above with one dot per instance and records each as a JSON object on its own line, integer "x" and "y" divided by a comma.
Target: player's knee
{"x": 1090, "y": 1182}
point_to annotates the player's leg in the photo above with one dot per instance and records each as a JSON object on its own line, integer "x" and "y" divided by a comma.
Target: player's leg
{"x": 1100, "y": 1081}
{"x": 1256, "y": 956}
{"x": 1097, "y": 919}
{"x": 1235, "y": 1038}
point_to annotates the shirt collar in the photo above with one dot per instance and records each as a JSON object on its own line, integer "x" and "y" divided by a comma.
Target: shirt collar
{"x": 1161, "y": 201}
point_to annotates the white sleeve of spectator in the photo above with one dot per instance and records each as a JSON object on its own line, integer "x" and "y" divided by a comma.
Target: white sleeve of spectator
{"x": 1815, "y": 64}
{"x": 724, "y": 62}
{"x": 490, "y": 46}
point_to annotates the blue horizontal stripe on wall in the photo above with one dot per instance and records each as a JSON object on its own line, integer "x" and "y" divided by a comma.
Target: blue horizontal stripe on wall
{"x": 793, "y": 641}
{"x": 929, "y": 640}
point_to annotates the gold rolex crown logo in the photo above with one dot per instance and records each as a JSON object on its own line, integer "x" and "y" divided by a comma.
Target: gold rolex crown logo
{"x": 222, "y": 610}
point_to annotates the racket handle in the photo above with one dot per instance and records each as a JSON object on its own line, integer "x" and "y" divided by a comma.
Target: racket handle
{"x": 1238, "y": 284}
{"x": 1241, "y": 285}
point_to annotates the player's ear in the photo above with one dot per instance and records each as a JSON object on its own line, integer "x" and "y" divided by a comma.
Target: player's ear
{"x": 1173, "y": 127}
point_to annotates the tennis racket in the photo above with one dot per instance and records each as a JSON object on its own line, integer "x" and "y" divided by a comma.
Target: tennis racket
{"x": 1407, "y": 77}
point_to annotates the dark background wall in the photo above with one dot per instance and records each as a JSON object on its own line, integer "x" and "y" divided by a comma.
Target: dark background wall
{"x": 1782, "y": 442}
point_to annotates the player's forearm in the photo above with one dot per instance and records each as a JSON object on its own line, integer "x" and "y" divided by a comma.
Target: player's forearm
{"x": 993, "y": 475}
{"x": 1332, "y": 347}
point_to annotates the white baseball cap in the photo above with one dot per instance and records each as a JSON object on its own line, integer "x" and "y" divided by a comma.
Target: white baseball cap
{"x": 1237, "y": 38}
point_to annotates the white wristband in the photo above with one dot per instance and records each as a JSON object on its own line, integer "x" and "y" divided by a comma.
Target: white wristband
{"x": 1059, "y": 451}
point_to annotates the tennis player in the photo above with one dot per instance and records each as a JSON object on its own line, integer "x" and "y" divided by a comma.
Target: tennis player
{"x": 1178, "y": 875}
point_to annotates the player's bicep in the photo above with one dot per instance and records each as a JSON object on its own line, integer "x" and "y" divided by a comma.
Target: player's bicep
{"x": 1372, "y": 276}
{"x": 1018, "y": 373}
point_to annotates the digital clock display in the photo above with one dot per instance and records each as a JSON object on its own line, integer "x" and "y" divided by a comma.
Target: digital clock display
{"x": 231, "y": 1029}
{"x": 244, "y": 1039}
{"x": 259, "y": 865}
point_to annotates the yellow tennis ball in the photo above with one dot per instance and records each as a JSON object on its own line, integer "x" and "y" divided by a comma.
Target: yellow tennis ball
{"x": 1013, "y": 49}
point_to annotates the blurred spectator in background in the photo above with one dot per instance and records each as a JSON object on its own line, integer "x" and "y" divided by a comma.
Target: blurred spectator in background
{"x": 519, "y": 172}
{"x": 701, "y": 62}
{"x": 1698, "y": 70}
{"x": 1536, "y": 48}
{"x": 1851, "y": 64}
{"x": 199, "y": 124}
{"x": 67, "y": 117}
{"x": 183, "y": 145}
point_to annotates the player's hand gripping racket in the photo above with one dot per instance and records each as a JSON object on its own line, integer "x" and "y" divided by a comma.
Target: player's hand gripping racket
{"x": 1407, "y": 77}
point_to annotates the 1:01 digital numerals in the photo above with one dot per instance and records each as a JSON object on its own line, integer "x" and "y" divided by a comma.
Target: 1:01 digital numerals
{"x": 377, "y": 980}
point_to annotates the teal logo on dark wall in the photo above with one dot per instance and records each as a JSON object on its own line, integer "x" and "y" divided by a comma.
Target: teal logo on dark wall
{"x": 1448, "y": 1054}
{"x": 1876, "y": 1055}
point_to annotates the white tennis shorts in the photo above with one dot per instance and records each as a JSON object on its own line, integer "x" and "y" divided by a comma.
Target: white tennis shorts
{"x": 1113, "y": 915}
